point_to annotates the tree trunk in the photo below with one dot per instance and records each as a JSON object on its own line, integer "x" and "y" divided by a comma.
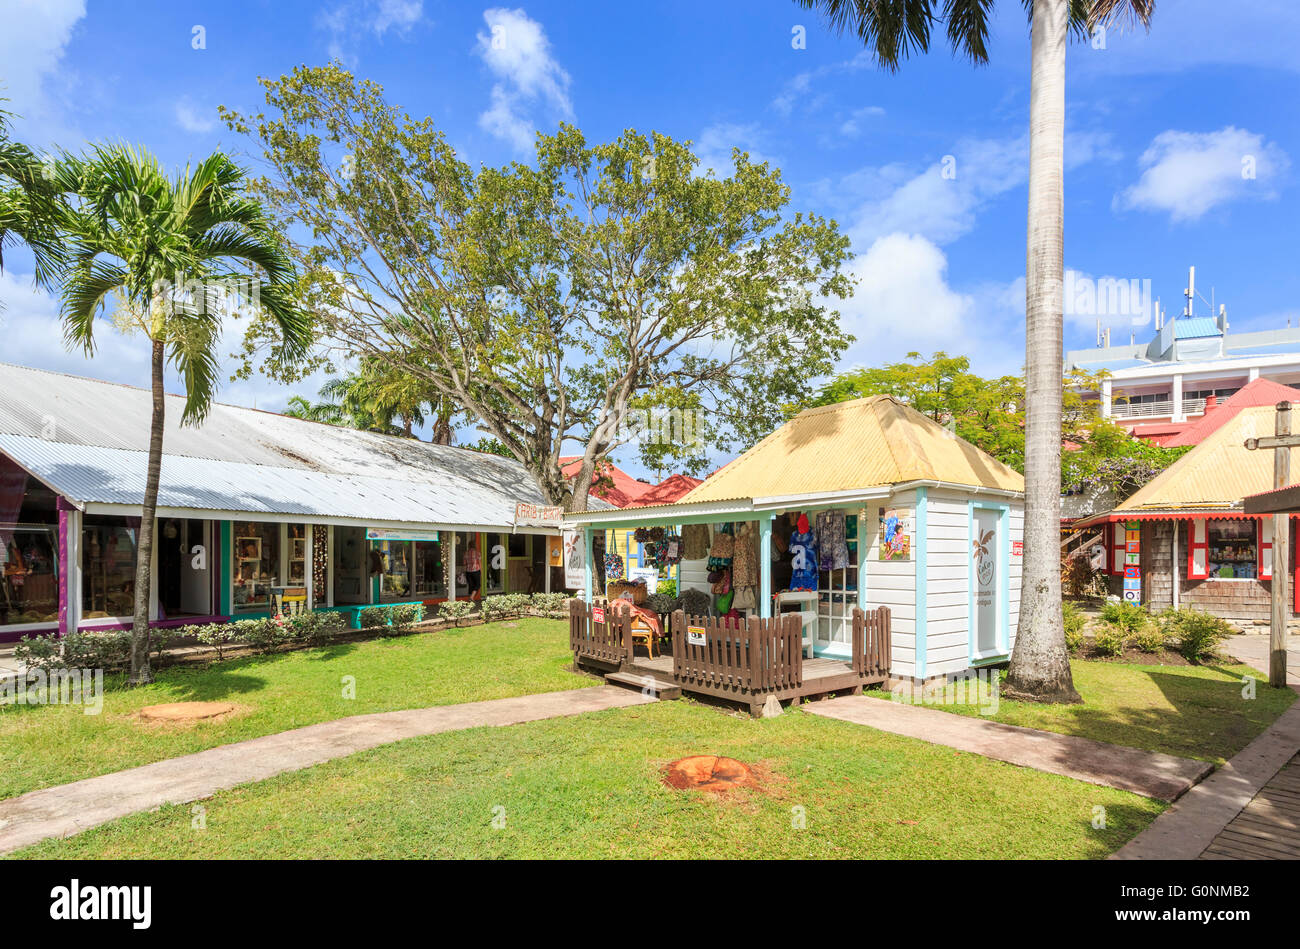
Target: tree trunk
{"x": 140, "y": 671}
{"x": 1040, "y": 665}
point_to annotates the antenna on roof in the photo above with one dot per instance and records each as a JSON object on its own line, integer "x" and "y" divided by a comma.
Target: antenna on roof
{"x": 1190, "y": 292}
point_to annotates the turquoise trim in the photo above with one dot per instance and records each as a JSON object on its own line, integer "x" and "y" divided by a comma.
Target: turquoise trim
{"x": 863, "y": 548}
{"x": 922, "y": 600}
{"x": 1004, "y": 584}
{"x": 226, "y": 605}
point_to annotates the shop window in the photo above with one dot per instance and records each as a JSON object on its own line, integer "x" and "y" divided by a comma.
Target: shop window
{"x": 1232, "y": 549}
{"x": 1265, "y": 548}
{"x": 297, "y": 566}
{"x": 430, "y": 574}
{"x": 256, "y": 565}
{"x": 29, "y": 557}
{"x": 108, "y": 551}
{"x": 396, "y": 558}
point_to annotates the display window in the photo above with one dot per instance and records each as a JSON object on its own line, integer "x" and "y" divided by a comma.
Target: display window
{"x": 108, "y": 553}
{"x": 430, "y": 573}
{"x": 29, "y": 588}
{"x": 1232, "y": 549}
{"x": 256, "y": 565}
{"x": 396, "y": 558}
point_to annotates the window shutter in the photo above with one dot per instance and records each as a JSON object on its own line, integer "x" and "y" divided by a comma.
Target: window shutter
{"x": 1198, "y": 549}
{"x": 1265, "y": 548}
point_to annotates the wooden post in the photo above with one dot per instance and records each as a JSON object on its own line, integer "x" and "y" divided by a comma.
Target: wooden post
{"x": 1281, "y": 556}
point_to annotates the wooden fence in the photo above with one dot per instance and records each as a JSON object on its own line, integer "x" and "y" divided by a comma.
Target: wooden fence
{"x": 722, "y": 655}
{"x": 597, "y": 632}
{"x": 871, "y": 632}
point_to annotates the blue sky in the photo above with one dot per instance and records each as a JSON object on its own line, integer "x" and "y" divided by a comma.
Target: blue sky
{"x": 925, "y": 169}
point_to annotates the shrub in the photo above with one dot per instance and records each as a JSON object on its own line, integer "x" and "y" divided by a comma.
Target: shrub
{"x": 1132, "y": 618}
{"x": 265, "y": 635}
{"x": 163, "y": 639}
{"x": 495, "y": 607}
{"x": 666, "y": 587}
{"x": 1198, "y": 633}
{"x": 39, "y": 652}
{"x": 1080, "y": 579}
{"x": 373, "y": 617}
{"x": 1109, "y": 640}
{"x": 549, "y": 602}
{"x": 1150, "y": 639}
{"x": 216, "y": 636}
{"x": 317, "y": 627}
{"x": 455, "y": 610}
{"x": 1075, "y": 621}
{"x": 403, "y": 617}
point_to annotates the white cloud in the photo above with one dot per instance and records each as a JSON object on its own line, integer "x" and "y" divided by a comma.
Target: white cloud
{"x": 943, "y": 201}
{"x": 714, "y": 144}
{"x": 852, "y": 126}
{"x": 32, "y": 42}
{"x": 192, "y": 119}
{"x": 397, "y": 15}
{"x": 1188, "y": 173}
{"x": 516, "y": 50}
{"x": 348, "y": 21}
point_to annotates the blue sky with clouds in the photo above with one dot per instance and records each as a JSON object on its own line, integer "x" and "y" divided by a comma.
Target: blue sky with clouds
{"x": 925, "y": 169}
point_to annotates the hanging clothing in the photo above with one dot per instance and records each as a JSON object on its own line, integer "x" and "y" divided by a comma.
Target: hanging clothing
{"x": 695, "y": 541}
{"x": 803, "y": 549}
{"x": 831, "y": 540}
{"x": 724, "y": 545}
{"x": 744, "y": 563}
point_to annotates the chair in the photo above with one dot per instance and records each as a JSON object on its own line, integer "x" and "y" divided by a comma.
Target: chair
{"x": 807, "y": 617}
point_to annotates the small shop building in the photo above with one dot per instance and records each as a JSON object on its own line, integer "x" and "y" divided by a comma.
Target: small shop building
{"x": 254, "y": 508}
{"x": 1185, "y": 539}
{"x": 843, "y": 511}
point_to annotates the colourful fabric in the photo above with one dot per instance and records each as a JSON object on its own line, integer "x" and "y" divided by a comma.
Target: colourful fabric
{"x": 831, "y": 540}
{"x": 695, "y": 541}
{"x": 803, "y": 548}
{"x": 613, "y": 567}
{"x": 744, "y": 563}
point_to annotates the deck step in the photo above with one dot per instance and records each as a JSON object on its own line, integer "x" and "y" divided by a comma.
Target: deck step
{"x": 633, "y": 680}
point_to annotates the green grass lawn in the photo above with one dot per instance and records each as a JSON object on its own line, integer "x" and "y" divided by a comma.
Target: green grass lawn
{"x": 589, "y": 786}
{"x": 1192, "y": 711}
{"x": 47, "y": 745}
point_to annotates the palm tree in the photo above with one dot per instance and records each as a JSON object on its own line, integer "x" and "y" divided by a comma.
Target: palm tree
{"x": 894, "y": 29}
{"x": 168, "y": 249}
{"x": 30, "y": 204}
{"x": 327, "y": 412}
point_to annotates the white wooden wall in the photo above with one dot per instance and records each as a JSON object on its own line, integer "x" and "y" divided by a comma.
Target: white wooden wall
{"x": 893, "y": 584}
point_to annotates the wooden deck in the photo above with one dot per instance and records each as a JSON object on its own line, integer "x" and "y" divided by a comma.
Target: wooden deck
{"x": 1268, "y": 828}
{"x": 748, "y": 661}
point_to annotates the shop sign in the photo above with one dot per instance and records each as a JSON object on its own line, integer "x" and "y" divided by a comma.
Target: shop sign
{"x": 1132, "y": 590}
{"x": 1017, "y": 548}
{"x": 598, "y": 614}
{"x": 575, "y": 560}
{"x": 396, "y": 533}
{"x": 1132, "y": 573}
{"x": 537, "y": 515}
{"x": 649, "y": 574}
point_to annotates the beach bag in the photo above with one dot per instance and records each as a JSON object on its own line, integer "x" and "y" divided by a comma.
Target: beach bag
{"x": 745, "y": 599}
{"x": 613, "y": 566}
{"x": 722, "y": 585}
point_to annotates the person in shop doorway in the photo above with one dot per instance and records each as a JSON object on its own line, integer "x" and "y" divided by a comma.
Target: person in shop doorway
{"x": 473, "y": 568}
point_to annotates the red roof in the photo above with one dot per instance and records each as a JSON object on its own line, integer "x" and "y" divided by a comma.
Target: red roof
{"x": 667, "y": 491}
{"x": 610, "y": 482}
{"x": 1260, "y": 392}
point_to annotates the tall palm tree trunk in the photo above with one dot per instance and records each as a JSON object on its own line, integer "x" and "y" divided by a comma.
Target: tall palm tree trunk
{"x": 140, "y": 671}
{"x": 1040, "y": 665}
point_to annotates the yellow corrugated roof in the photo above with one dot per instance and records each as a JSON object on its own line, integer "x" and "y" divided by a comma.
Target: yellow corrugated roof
{"x": 865, "y": 443}
{"x": 1218, "y": 472}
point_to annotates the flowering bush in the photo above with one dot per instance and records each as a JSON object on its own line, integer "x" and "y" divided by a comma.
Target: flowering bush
{"x": 455, "y": 610}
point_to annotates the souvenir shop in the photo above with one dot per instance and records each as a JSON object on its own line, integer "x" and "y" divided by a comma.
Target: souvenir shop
{"x": 862, "y": 504}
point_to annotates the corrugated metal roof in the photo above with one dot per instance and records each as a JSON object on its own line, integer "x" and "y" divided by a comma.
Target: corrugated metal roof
{"x": 88, "y": 439}
{"x": 864, "y": 443}
{"x": 1196, "y": 327}
{"x": 1218, "y": 472}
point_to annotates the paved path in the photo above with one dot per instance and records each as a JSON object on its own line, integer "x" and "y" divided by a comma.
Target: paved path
{"x": 1148, "y": 773}
{"x": 1253, "y": 650}
{"x": 1189, "y": 828}
{"x": 71, "y": 808}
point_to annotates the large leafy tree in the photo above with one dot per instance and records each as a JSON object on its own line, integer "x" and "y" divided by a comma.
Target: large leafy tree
{"x": 162, "y": 254}
{"x": 893, "y": 30}
{"x": 555, "y": 303}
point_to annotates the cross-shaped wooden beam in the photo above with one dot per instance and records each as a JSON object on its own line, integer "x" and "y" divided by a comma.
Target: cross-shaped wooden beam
{"x": 1280, "y": 502}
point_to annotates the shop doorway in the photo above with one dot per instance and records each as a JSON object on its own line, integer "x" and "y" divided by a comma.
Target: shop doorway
{"x": 350, "y": 566}
{"x": 986, "y": 578}
{"x": 184, "y": 568}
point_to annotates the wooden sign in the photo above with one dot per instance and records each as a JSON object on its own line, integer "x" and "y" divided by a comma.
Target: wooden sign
{"x": 695, "y": 635}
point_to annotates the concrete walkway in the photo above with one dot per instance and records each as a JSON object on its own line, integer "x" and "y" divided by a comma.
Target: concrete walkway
{"x": 1187, "y": 829}
{"x": 1253, "y": 650}
{"x": 71, "y": 808}
{"x": 1148, "y": 773}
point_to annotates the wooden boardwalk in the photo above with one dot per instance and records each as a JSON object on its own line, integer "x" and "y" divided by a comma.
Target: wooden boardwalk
{"x": 1268, "y": 828}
